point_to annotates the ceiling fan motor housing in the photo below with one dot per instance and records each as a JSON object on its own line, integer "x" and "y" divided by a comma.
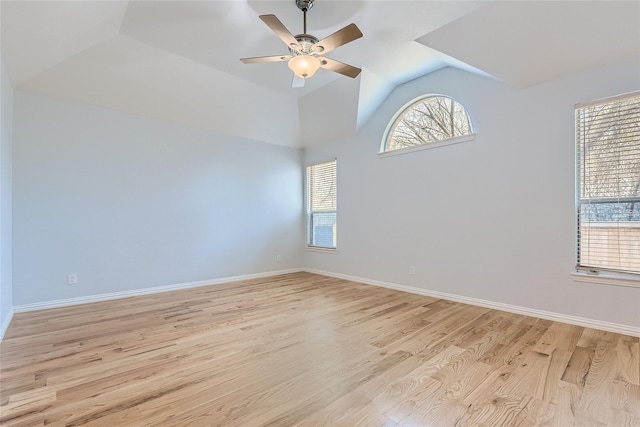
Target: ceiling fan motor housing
{"x": 304, "y": 5}
{"x": 306, "y": 42}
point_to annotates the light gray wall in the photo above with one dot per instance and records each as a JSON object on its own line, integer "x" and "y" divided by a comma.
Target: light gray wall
{"x": 6, "y": 106}
{"x": 127, "y": 202}
{"x": 491, "y": 219}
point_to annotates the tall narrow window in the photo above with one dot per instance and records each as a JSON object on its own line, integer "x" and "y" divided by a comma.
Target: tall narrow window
{"x": 608, "y": 184}
{"x": 322, "y": 204}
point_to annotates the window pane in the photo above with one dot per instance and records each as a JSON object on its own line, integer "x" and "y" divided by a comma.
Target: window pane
{"x": 323, "y": 228}
{"x": 610, "y": 212}
{"x": 430, "y": 119}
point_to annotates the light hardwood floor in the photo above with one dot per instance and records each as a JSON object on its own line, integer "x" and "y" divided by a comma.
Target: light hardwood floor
{"x": 310, "y": 350}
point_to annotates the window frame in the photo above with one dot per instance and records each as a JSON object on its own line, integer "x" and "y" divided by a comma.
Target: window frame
{"x": 309, "y": 212}
{"x": 391, "y": 126}
{"x": 586, "y": 272}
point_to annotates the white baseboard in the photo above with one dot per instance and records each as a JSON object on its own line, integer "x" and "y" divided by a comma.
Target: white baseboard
{"x": 5, "y": 323}
{"x": 143, "y": 291}
{"x": 557, "y": 317}
{"x": 580, "y": 321}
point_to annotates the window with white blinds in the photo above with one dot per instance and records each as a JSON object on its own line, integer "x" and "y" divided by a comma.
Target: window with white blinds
{"x": 608, "y": 184}
{"x": 322, "y": 204}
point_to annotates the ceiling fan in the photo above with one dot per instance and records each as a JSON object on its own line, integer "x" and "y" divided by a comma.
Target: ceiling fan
{"x": 305, "y": 51}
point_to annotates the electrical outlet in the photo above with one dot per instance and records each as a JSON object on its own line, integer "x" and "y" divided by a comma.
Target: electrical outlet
{"x": 278, "y": 259}
{"x": 412, "y": 270}
{"x": 72, "y": 279}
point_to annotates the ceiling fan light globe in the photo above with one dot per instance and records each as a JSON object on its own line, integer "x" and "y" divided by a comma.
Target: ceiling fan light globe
{"x": 304, "y": 66}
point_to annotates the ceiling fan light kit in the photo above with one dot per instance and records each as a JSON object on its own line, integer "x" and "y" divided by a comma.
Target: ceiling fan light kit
{"x": 304, "y": 49}
{"x": 304, "y": 66}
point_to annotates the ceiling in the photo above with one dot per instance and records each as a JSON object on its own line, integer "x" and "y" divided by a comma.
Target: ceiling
{"x": 179, "y": 60}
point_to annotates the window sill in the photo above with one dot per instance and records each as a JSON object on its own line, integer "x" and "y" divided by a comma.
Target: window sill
{"x": 321, "y": 249}
{"x": 429, "y": 146}
{"x": 607, "y": 279}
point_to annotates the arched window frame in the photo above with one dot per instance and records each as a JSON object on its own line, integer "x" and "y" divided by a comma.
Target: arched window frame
{"x": 426, "y": 146}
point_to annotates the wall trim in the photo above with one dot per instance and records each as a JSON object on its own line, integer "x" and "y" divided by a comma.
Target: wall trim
{"x": 557, "y": 317}
{"x": 5, "y": 323}
{"x": 603, "y": 278}
{"x": 144, "y": 291}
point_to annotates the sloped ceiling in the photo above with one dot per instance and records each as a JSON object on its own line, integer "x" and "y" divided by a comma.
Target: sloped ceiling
{"x": 526, "y": 43}
{"x": 179, "y": 60}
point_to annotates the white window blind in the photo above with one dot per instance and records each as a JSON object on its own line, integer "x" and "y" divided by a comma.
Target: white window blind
{"x": 322, "y": 204}
{"x": 608, "y": 184}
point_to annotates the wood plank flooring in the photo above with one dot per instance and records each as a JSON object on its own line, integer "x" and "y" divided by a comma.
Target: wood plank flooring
{"x": 303, "y": 349}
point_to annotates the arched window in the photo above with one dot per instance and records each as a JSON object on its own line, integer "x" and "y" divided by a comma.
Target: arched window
{"x": 426, "y": 122}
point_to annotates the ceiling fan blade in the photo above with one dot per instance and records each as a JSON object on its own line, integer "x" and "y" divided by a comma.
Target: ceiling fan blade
{"x": 281, "y": 31}
{"x": 274, "y": 58}
{"x": 348, "y": 34}
{"x": 297, "y": 82}
{"x": 340, "y": 67}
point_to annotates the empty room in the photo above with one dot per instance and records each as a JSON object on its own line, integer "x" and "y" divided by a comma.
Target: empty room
{"x": 319, "y": 213}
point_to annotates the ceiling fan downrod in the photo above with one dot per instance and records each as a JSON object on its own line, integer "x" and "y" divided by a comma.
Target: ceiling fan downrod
{"x": 304, "y": 6}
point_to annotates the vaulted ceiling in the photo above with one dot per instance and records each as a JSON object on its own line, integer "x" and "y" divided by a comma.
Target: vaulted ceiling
{"x": 179, "y": 60}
